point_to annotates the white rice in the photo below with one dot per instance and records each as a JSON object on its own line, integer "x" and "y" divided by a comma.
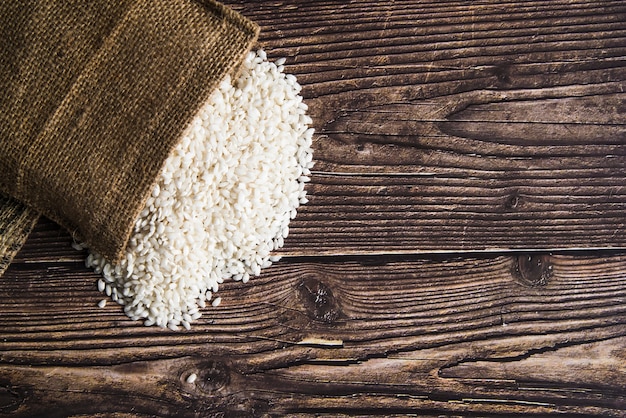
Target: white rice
{"x": 222, "y": 203}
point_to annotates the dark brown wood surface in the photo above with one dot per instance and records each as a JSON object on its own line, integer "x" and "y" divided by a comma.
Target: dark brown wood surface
{"x": 463, "y": 251}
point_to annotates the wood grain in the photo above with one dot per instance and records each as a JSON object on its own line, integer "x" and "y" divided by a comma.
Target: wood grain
{"x": 508, "y": 334}
{"x": 458, "y": 126}
{"x": 457, "y": 142}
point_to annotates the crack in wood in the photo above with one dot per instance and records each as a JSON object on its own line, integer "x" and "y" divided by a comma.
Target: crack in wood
{"x": 448, "y": 371}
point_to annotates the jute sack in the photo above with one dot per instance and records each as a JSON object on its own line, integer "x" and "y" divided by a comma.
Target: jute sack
{"x": 93, "y": 97}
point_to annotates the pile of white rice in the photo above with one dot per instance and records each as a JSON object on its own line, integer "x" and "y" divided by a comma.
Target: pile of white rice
{"x": 222, "y": 203}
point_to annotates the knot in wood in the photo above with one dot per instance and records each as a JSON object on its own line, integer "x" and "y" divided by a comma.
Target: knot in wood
{"x": 212, "y": 376}
{"x": 532, "y": 270}
{"x": 502, "y": 73}
{"x": 11, "y": 398}
{"x": 513, "y": 201}
{"x": 319, "y": 301}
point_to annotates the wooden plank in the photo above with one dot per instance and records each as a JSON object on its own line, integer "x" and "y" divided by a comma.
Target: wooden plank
{"x": 456, "y": 126}
{"x": 383, "y": 334}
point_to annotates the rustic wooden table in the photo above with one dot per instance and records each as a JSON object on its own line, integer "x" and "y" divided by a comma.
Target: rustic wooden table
{"x": 463, "y": 251}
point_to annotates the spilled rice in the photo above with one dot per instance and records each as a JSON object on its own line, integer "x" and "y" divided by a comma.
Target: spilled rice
{"x": 223, "y": 200}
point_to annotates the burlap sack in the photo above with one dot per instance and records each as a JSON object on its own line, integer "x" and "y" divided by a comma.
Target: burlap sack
{"x": 93, "y": 97}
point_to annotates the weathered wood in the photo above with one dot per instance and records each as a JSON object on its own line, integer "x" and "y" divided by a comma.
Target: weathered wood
{"x": 443, "y": 127}
{"x": 458, "y": 126}
{"x": 456, "y": 335}
{"x": 419, "y": 382}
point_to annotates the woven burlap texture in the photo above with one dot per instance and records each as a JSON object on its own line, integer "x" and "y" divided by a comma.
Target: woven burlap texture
{"x": 16, "y": 222}
{"x": 95, "y": 94}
